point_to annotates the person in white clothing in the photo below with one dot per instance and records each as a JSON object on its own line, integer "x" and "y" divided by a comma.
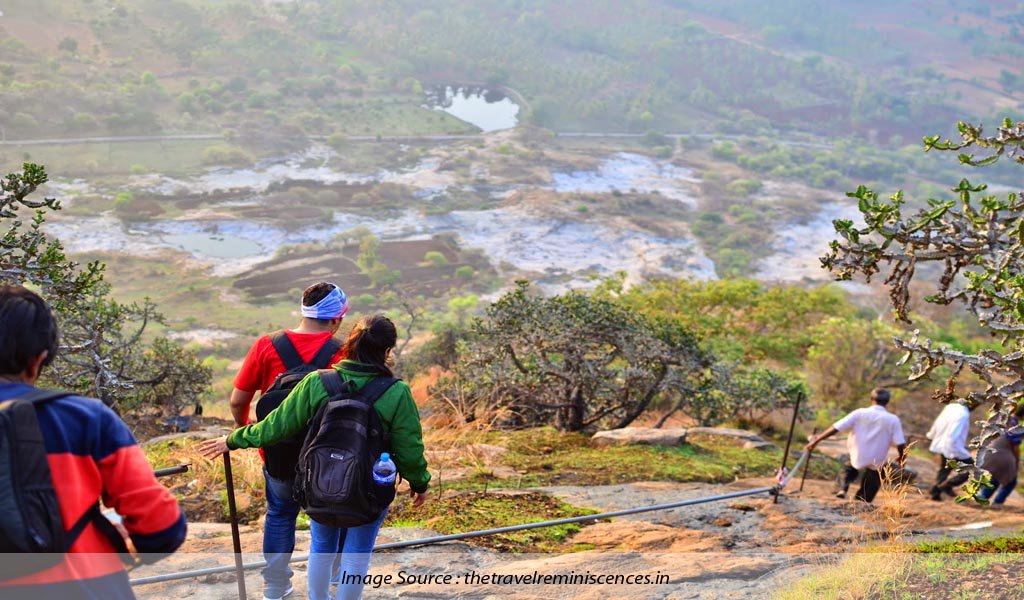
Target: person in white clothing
{"x": 949, "y": 441}
{"x": 873, "y": 430}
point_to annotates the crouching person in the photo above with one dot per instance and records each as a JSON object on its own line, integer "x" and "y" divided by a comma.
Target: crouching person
{"x": 59, "y": 455}
{"x": 873, "y": 430}
{"x": 363, "y": 425}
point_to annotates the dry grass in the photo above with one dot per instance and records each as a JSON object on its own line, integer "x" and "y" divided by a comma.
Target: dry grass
{"x": 202, "y": 488}
{"x": 891, "y": 519}
{"x": 861, "y": 575}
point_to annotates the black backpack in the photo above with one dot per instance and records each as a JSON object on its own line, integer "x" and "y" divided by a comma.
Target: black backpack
{"x": 335, "y": 483}
{"x": 282, "y": 457}
{"x": 31, "y": 526}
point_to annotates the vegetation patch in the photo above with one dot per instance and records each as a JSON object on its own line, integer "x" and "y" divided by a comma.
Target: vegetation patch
{"x": 989, "y": 545}
{"x": 201, "y": 491}
{"x": 476, "y": 511}
{"x": 547, "y": 457}
{"x": 973, "y": 568}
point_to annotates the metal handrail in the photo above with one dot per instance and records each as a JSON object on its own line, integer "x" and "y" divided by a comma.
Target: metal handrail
{"x": 774, "y": 489}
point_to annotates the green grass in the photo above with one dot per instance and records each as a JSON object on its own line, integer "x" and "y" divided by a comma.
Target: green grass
{"x": 474, "y": 511}
{"x": 985, "y": 545}
{"x": 549, "y": 457}
{"x": 173, "y": 158}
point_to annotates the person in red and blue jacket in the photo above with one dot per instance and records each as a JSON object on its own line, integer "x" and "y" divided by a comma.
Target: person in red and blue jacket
{"x": 92, "y": 455}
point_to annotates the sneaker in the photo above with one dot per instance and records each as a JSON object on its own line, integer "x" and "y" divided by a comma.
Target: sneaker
{"x": 287, "y": 592}
{"x": 841, "y": 494}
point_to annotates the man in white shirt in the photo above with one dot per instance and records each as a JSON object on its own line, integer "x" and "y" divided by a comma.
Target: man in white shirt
{"x": 873, "y": 430}
{"x": 949, "y": 441}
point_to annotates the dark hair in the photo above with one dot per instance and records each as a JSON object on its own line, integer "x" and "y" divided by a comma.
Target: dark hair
{"x": 27, "y": 329}
{"x": 316, "y": 293}
{"x": 369, "y": 341}
{"x": 880, "y": 396}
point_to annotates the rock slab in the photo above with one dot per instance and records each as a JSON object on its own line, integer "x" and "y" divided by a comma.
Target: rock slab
{"x": 647, "y": 436}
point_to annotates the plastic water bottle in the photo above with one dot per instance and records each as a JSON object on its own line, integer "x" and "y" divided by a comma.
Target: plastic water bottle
{"x": 384, "y": 470}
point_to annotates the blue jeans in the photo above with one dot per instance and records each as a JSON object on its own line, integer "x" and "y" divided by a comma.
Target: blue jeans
{"x": 278, "y": 535}
{"x": 1002, "y": 494}
{"x": 355, "y": 544}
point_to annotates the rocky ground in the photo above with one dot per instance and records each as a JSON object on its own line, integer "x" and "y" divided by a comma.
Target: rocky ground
{"x": 739, "y": 548}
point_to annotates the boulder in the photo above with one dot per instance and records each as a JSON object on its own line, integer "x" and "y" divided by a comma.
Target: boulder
{"x": 740, "y": 437}
{"x": 647, "y": 436}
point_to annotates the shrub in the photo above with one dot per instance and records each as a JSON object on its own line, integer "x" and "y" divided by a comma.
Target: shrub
{"x": 436, "y": 259}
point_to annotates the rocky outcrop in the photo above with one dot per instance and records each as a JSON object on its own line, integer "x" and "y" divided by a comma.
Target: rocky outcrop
{"x": 650, "y": 436}
{"x": 647, "y": 436}
{"x": 742, "y": 437}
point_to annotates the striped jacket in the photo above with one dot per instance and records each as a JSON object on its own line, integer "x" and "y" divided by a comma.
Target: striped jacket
{"x": 93, "y": 455}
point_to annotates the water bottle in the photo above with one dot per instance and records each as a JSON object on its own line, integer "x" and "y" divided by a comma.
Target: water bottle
{"x": 384, "y": 470}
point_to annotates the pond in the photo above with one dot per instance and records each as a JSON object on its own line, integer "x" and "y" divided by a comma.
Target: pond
{"x": 214, "y": 245}
{"x": 488, "y": 109}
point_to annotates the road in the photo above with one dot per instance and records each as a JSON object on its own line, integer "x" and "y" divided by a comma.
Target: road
{"x": 677, "y": 137}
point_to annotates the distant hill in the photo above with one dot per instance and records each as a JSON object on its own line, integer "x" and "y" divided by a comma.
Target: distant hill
{"x": 892, "y": 67}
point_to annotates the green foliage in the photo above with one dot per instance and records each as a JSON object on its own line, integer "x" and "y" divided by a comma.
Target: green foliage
{"x": 436, "y": 259}
{"x": 69, "y": 45}
{"x": 369, "y": 252}
{"x": 105, "y": 351}
{"x": 575, "y": 360}
{"x": 740, "y": 319}
{"x": 222, "y": 155}
{"x": 849, "y": 357}
{"x": 475, "y": 511}
{"x": 550, "y": 457}
{"x": 978, "y": 239}
{"x": 362, "y": 62}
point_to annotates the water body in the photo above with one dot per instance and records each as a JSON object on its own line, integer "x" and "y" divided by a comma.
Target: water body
{"x": 490, "y": 110}
{"x": 213, "y": 245}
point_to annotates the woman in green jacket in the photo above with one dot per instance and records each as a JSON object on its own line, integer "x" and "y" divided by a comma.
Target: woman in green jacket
{"x": 369, "y": 344}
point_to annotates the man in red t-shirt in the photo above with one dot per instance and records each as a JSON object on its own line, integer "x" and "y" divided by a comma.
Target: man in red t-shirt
{"x": 323, "y": 307}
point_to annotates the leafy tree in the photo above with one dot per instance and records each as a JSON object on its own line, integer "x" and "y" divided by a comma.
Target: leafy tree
{"x": 69, "y": 45}
{"x": 740, "y": 319}
{"x": 435, "y": 258}
{"x": 850, "y": 357}
{"x": 977, "y": 240}
{"x": 731, "y": 392}
{"x": 369, "y": 252}
{"x": 577, "y": 360}
{"x": 104, "y": 350}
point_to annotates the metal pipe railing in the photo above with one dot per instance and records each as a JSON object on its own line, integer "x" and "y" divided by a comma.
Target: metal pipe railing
{"x": 171, "y": 471}
{"x": 494, "y": 531}
{"x": 783, "y": 479}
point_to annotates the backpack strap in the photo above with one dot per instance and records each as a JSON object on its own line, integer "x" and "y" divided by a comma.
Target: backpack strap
{"x": 370, "y": 392}
{"x": 376, "y": 388}
{"x": 286, "y": 350}
{"x": 94, "y": 515}
{"x": 323, "y": 357}
{"x": 107, "y": 529}
{"x": 39, "y": 396}
{"x": 333, "y": 382}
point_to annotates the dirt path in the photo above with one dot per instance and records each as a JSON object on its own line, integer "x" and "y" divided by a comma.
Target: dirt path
{"x": 742, "y": 548}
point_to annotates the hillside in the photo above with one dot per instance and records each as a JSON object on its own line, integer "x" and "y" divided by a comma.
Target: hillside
{"x": 85, "y": 67}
